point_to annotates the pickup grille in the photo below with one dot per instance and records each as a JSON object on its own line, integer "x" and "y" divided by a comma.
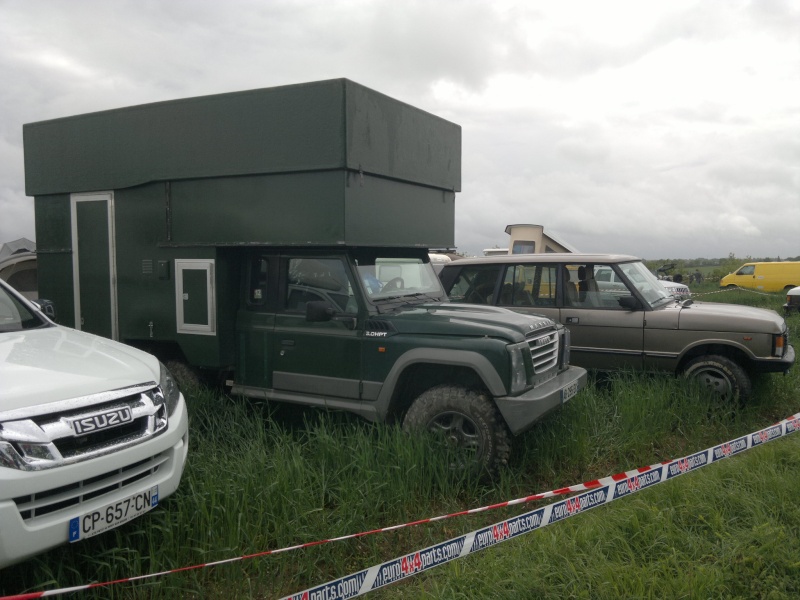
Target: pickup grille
{"x": 72, "y": 431}
{"x": 544, "y": 350}
{"x": 74, "y": 494}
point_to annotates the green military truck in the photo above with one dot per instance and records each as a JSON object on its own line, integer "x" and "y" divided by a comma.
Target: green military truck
{"x": 277, "y": 240}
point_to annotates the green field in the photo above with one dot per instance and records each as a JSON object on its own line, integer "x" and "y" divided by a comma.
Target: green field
{"x": 263, "y": 477}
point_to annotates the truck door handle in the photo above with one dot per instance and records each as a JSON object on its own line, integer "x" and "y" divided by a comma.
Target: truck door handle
{"x": 572, "y": 320}
{"x": 287, "y": 342}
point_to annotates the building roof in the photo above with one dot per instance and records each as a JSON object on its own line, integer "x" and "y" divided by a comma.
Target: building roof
{"x": 19, "y": 246}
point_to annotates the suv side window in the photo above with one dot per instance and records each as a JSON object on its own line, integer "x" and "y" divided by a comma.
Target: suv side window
{"x": 475, "y": 284}
{"x": 593, "y": 286}
{"x": 529, "y": 285}
{"x": 313, "y": 279}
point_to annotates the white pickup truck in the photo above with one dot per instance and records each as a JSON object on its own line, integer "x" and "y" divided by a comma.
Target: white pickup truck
{"x": 93, "y": 433}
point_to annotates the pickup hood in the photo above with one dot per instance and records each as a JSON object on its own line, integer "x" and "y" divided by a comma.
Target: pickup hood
{"x": 714, "y": 316}
{"x": 39, "y": 366}
{"x": 444, "y": 318}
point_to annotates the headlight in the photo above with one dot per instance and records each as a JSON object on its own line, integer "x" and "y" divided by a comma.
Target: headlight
{"x": 519, "y": 369}
{"x": 566, "y": 344}
{"x": 778, "y": 345}
{"x": 169, "y": 388}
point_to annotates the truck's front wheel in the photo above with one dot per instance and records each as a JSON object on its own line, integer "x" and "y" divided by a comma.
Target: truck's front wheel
{"x": 466, "y": 419}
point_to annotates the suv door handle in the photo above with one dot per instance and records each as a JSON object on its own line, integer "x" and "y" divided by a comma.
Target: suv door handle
{"x": 287, "y": 342}
{"x": 572, "y": 320}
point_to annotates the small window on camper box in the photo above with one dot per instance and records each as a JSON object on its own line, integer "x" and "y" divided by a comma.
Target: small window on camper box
{"x": 523, "y": 247}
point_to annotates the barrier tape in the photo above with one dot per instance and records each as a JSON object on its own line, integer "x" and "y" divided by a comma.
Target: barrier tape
{"x": 596, "y": 493}
{"x": 737, "y": 289}
{"x": 606, "y": 490}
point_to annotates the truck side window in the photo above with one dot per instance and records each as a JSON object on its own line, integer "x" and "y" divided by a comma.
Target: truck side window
{"x": 313, "y": 279}
{"x": 258, "y": 282}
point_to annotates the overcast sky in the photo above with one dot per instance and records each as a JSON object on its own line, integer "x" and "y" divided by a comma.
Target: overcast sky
{"x": 663, "y": 129}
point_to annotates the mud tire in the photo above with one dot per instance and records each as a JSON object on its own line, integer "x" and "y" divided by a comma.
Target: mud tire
{"x": 467, "y": 419}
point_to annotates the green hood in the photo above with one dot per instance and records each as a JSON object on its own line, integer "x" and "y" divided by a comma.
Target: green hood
{"x": 444, "y": 318}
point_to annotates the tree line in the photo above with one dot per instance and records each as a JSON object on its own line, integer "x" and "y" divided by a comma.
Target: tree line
{"x": 711, "y": 268}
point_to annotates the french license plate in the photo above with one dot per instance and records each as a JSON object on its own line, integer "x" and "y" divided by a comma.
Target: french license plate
{"x": 569, "y": 391}
{"x": 112, "y": 515}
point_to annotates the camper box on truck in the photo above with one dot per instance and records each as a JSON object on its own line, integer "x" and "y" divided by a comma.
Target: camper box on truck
{"x": 764, "y": 276}
{"x": 277, "y": 240}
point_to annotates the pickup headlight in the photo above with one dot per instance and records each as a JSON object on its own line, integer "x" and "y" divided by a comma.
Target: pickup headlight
{"x": 169, "y": 388}
{"x": 521, "y": 365}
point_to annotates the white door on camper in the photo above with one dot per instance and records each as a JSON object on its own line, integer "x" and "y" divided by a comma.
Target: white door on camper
{"x": 94, "y": 263}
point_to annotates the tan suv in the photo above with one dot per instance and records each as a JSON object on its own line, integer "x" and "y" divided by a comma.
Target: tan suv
{"x": 629, "y": 321}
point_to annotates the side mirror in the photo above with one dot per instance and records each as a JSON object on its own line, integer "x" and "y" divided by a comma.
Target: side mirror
{"x": 318, "y": 311}
{"x": 47, "y": 307}
{"x": 630, "y": 303}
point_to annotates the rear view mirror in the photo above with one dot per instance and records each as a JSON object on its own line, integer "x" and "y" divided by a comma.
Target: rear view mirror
{"x": 47, "y": 307}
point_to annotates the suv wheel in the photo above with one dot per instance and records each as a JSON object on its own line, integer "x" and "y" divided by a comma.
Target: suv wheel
{"x": 721, "y": 375}
{"x": 467, "y": 420}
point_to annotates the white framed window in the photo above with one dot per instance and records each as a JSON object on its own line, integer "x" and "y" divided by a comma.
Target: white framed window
{"x": 195, "y": 298}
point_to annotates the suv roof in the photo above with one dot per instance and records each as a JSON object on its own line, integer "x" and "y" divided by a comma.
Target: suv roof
{"x": 552, "y": 257}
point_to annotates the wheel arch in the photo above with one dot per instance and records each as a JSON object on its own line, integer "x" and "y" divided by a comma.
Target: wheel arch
{"x": 730, "y": 351}
{"x": 423, "y": 368}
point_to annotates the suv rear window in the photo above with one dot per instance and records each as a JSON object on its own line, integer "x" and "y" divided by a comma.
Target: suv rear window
{"x": 475, "y": 284}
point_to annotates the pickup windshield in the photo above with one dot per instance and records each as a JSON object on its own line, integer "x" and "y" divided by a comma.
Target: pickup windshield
{"x": 385, "y": 277}
{"x": 15, "y": 315}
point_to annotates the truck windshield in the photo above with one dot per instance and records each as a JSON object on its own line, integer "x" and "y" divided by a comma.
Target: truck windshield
{"x": 392, "y": 277}
{"x": 646, "y": 283}
{"x": 14, "y": 315}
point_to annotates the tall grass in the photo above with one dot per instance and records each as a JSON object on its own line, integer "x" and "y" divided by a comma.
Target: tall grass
{"x": 263, "y": 477}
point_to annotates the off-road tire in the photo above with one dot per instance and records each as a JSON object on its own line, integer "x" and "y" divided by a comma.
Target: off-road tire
{"x": 185, "y": 375}
{"x": 721, "y": 375}
{"x": 467, "y": 419}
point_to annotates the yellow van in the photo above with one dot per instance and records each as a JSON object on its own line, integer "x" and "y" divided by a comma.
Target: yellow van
{"x": 764, "y": 276}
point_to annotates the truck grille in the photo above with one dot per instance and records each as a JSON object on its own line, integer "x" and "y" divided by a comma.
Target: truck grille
{"x": 80, "y": 429}
{"x": 74, "y": 494}
{"x": 544, "y": 350}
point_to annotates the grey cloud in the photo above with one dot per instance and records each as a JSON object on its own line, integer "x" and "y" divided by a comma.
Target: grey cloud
{"x": 649, "y": 181}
